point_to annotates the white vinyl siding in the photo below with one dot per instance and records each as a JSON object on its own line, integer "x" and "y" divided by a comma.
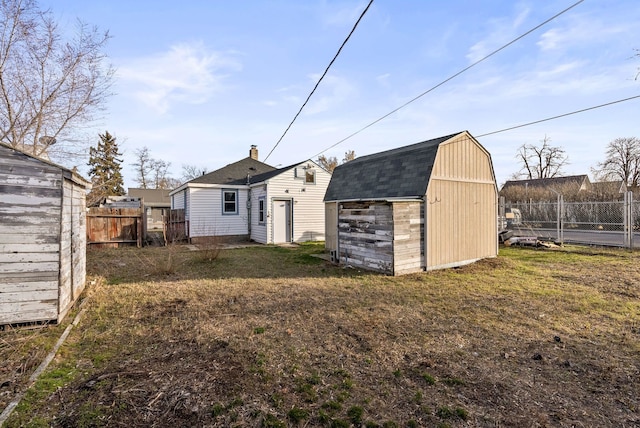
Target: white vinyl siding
{"x": 259, "y": 230}
{"x": 307, "y": 201}
{"x": 205, "y": 213}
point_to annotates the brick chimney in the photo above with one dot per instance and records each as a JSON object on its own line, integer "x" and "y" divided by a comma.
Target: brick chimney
{"x": 253, "y": 153}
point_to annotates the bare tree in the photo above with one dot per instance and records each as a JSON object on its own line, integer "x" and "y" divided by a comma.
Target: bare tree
{"x": 152, "y": 173}
{"x": 330, "y": 163}
{"x": 544, "y": 161}
{"x": 143, "y": 167}
{"x": 622, "y": 162}
{"x": 189, "y": 172}
{"x": 49, "y": 87}
{"x": 349, "y": 155}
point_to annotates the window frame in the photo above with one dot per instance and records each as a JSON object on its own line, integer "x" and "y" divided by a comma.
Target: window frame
{"x": 262, "y": 214}
{"x": 235, "y": 202}
{"x": 310, "y": 173}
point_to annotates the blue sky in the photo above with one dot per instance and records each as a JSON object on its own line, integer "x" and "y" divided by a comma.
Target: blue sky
{"x": 198, "y": 82}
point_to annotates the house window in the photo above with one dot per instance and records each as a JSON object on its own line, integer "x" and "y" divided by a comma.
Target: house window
{"x": 229, "y": 202}
{"x": 261, "y": 210}
{"x": 310, "y": 176}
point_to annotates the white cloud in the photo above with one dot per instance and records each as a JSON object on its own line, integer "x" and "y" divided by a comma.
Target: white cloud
{"x": 502, "y": 31}
{"x": 186, "y": 73}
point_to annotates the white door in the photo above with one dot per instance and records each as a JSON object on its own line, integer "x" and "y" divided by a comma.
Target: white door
{"x": 281, "y": 221}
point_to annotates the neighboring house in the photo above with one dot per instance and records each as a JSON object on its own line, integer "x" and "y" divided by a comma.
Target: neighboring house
{"x": 426, "y": 206}
{"x": 608, "y": 190}
{"x": 545, "y": 188}
{"x": 249, "y": 199}
{"x": 156, "y": 202}
{"x": 42, "y": 238}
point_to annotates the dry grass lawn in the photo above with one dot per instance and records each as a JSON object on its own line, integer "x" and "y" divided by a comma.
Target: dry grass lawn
{"x": 272, "y": 337}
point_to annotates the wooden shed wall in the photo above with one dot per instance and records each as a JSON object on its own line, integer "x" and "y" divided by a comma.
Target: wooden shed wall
{"x": 461, "y": 206}
{"x": 30, "y": 220}
{"x": 407, "y": 238}
{"x": 73, "y": 243}
{"x": 331, "y": 226}
{"x": 365, "y": 235}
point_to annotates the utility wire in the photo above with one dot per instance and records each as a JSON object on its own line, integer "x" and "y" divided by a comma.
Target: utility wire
{"x": 451, "y": 78}
{"x": 321, "y": 77}
{"x": 558, "y": 116}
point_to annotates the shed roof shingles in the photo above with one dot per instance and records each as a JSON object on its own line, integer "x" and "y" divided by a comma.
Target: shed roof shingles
{"x": 397, "y": 173}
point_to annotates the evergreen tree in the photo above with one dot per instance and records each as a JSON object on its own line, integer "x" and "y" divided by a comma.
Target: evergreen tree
{"x": 105, "y": 169}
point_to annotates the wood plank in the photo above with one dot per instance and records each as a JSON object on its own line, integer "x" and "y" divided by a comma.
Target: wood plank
{"x": 42, "y": 312}
{"x": 28, "y": 296}
{"x": 16, "y": 277}
{"x": 28, "y": 257}
{"x": 28, "y": 267}
{"x": 26, "y": 287}
{"x": 14, "y": 237}
{"x": 27, "y": 247}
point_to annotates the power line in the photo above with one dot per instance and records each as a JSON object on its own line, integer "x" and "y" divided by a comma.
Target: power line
{"x": 558, "y": 116}
{"x": 321, "y": 77}
{"x": 451, "y": 78}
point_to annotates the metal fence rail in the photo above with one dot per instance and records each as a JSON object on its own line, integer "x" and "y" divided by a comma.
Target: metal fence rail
{"x": 615, "y": 223}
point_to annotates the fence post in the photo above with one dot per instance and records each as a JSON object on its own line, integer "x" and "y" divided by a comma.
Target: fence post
{"x": 628, "y": 219}
{"x": 559, "y": 225}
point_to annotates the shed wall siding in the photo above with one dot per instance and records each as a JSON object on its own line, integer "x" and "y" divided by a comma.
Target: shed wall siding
{"x": 407, "y": 238}
{"x": 331, "y": 226}
{"x": 365, "y": 235}
{"x": 308, "y": 205}
{"x": 30, "y": 218}
{"x": 461, "y": 207}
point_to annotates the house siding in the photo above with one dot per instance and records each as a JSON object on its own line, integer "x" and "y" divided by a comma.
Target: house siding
{"x": 259, "y": 230}
{"x": 308, "y": 207}
{"x": 205, "y": 213}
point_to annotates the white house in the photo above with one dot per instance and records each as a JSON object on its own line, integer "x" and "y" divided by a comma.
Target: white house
{"x": 249, "y": 199}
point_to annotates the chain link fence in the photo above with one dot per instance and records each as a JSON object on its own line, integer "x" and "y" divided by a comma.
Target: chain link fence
{"x": 615, "y": 223}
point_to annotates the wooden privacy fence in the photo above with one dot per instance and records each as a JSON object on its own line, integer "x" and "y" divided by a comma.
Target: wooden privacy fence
{"x": 175, "y": 226}
{"x": 114, "y": 227}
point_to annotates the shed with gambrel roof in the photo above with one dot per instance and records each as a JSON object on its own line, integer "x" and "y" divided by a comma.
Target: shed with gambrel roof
{"x": 426, "y": 206}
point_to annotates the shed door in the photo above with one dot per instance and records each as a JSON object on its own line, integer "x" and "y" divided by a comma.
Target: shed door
{"x": 281, "y": 221}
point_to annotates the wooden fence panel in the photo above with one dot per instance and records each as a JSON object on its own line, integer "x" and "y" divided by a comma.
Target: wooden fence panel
{"x": 175, "y": 226}
{"x": 114, "y": 227}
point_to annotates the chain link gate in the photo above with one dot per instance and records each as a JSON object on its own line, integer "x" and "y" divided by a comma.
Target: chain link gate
{"x": 612, "y": 223}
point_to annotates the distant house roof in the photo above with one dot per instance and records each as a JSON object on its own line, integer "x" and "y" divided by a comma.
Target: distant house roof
{"x": 259, "y": 178}
{"x": 235, "y": 173}
{"x": 393, "y": 174}
{"x": 608, "y": 187}
{"x": 151, "y": 197}
{"x": 573, "y": 182}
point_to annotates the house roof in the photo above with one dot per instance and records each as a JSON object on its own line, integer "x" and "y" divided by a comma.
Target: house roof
{"x": 259, "y": 178}
{"x": 550, "y": 183}
{"x": 398, "y": 173}
{"x": 235, "y": 172}
{"x": 151, "y": 197}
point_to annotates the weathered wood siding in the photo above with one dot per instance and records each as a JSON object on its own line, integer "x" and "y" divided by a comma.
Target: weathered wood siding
{"x": 331, "y": 226}
{"x": 461, "y": 206}
{"x": 30, "y": 222}
{"x": 365, "y": 235}
{"x": 407, "y": 238}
